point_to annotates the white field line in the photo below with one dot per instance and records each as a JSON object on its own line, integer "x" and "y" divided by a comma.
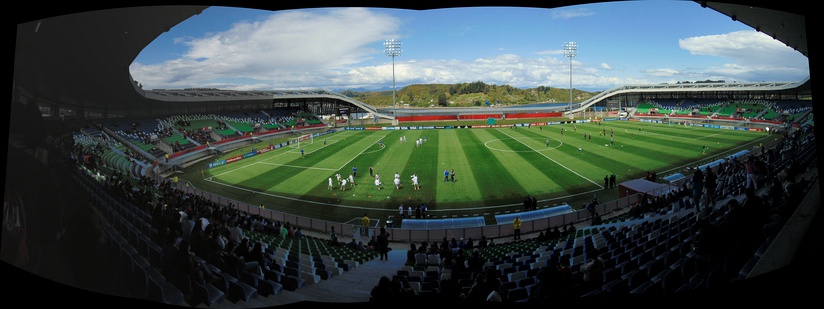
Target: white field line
{"x": 263, "y": 161}
{"x": 285, "y": 197}
{"x": 676, "y": 136}
{"x": 359, "y": 153}
{"x": 550, "y": 159}
{"x": 482, "y": 208}
{"x": 298, "y": 166}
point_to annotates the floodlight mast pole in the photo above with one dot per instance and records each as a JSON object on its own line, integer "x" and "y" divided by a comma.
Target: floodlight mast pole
{"x": 570, "y": 50}
{"x": 393, "y": 49}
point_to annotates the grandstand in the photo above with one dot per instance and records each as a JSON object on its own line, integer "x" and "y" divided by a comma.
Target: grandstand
{"x": 109, "y": 244}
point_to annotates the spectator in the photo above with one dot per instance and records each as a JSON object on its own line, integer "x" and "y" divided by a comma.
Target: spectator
{"x": 593, "y": 273}
{"x": 333, "y": 236}
{"x": 475, "y": 263}
{"x": 710, "y": 183}
{"x": 382, "y": 293}
{"x": 354, "y": 245}
{"x": 410, "y": 255}
{"x": 697, "y": 189}
{"x": 258, "y": 255}
{"x": 477, "y": 292}
{"x": 751, "y": 169}
{"x": 372, "y": 244}
{"x": 383, "y": 244}
{"x": 493, "y": 284}
{"x": 186, "y": 264}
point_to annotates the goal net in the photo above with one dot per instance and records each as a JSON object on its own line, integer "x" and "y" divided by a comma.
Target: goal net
{"x": 305, "y": 139}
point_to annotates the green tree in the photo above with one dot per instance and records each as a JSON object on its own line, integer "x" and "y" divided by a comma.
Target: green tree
{"x": 442, "y": 101}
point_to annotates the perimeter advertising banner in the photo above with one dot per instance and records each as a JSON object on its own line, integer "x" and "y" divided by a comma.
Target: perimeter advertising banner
{"x": 250, "y": 154}
{"x": 234, "y": 159}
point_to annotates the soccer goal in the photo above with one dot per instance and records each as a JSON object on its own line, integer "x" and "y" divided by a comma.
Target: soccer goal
{"x": 305, "y": 139}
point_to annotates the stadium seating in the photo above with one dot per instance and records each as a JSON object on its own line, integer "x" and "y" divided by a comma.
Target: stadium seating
{"x": 291, "y": 282}
{"x": 650, "y": 255}
{"x": 265, "y": 287}
{"x": 140, "y": 277}
{"x": 518, "y": 294}
{"x": 420, "y": 260}
{"x": 236, "y": 290}
{"x": 206, "y": 294}
{"x": 164, "y": 292}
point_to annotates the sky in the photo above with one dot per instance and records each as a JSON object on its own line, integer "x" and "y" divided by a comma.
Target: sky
{"x": 338, "y": 48}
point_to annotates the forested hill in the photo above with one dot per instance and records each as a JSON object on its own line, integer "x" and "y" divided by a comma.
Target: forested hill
{"x": 467, "y": 94}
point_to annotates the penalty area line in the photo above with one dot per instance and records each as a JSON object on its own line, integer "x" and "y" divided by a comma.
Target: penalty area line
{"x": 550, "y": 159}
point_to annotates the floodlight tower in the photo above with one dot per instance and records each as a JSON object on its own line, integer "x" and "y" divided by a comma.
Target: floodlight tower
{"x": 570, "y": 50}
{"x": 393, "y": 49}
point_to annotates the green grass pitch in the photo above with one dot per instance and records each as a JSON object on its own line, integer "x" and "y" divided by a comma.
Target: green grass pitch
{"x": 495, "y": 168}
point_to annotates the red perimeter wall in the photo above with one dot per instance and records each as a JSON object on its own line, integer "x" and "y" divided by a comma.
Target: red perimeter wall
{"x": 478, "y": 116}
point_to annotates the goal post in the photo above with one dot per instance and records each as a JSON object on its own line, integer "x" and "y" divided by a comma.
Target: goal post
{"x": 306, "y": 139}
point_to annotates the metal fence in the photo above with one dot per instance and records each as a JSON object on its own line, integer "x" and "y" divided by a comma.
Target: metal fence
{"x": 351, "y": 227}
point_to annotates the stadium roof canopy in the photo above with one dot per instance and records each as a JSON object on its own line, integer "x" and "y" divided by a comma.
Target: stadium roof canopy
{"x": 789, "y": 27}
{"x": 80, "y": 60}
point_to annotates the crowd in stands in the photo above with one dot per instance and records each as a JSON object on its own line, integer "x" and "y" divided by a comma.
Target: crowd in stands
{"x": 708, "y": 249}
{"x": 754, "y": 109}
{"x": 200, "y": 236}
{"x": 87, "y": 152}
{"x": 281, "y": 117}
{"x": 201, "y": 136}
{"x": 148, "y": 137}
{"x": 176, "y": 131}
{"x": 194, "y": 230}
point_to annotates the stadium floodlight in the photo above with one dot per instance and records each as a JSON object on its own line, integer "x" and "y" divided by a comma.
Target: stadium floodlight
{"x": 570, "y": 50}
{"x": 393, "y": 49}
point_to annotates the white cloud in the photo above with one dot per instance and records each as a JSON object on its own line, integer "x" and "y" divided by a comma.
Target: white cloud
{"x": 571, "y": 13}
{"x": 343, "y": 48}
{"x": 751, "y": 56}
{"x": 741, "y": 46}
{"x": 551, "y": 52}
{"x": 660, "y": 72}
{"x": 288, "y": 45}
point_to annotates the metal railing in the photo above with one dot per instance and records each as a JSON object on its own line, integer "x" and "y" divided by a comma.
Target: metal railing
{"x": 351, "y": 228}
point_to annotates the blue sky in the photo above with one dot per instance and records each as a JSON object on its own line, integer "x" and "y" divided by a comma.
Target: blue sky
{"x": 618, "y": 43}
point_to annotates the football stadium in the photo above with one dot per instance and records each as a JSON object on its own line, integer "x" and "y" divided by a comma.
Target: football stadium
{"x": 211, "y": 198}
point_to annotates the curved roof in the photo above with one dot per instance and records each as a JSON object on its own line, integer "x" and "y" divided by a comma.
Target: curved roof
{"x": 82, "y": 59}
{"x": 784, "y": 23}
{"x": 798, "y": 89}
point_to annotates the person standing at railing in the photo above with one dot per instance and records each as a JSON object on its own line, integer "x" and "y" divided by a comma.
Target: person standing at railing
{"x": 697, "y": 188}
{"x": 383, "y": 244}
{"x": 710, "y": 183}
{"x": 751, "y": 170}
{"x": 365, "y": 222}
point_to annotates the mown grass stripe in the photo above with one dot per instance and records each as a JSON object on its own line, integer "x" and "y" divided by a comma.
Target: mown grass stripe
{"x": 537, "y": 175}
{"x": 316, "y": 182}
{"x": 494, "y": 177}
{"x": 495, "y": 180}
{"x": 556, "y": 163}
{"x": 423, "y": 163}
{"x": 560, "y": 171}
{"x": 453, "y": 155}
